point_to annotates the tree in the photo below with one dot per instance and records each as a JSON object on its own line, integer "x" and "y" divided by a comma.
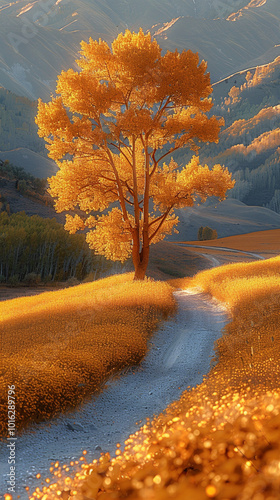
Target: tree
{"x": 110, "y": 128}
{"x": 206, "y": 233}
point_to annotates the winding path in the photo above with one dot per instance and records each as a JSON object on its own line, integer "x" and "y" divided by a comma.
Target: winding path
{"x": 224, "y": 249}
{"x": 179, "y": 356}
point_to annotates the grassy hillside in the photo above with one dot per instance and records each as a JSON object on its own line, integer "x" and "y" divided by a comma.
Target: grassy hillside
{"x": 61, "y": 346}
{"x": 264, "y": 242}
{"x": 221, "y": 439}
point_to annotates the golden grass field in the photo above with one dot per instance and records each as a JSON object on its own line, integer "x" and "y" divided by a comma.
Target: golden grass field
{"x": 221, "y": 440}
{"x": 265, "y": 242}
{"x": 62, "y": 346}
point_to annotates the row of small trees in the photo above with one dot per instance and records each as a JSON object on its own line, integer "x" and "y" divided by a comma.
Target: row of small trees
{"x": 34, "y": 249}
{"x": 206, "y": 233}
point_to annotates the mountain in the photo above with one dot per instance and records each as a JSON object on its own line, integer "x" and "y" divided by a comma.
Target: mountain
{"x": 39, "y": 39}
{"x": 17, "y": 123}
{"x": 32, "y": 162}
{"x": 229, "y": 218}
{"x": 249, "y": 143}
{"x": 245, "y": 39}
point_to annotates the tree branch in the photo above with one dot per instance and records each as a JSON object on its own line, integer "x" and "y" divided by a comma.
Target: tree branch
{"x": 118, "y": 182}
{"x": 160, "y": 225}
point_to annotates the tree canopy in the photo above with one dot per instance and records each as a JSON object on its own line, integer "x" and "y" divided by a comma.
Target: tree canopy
{"x": 112, "y": 127}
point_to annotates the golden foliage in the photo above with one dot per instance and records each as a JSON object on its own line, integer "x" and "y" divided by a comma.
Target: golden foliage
{"x": 265, "y": 141}
{"x": 240, "y": 127}
{"x": 221, "y": 281}
{"x": 221, "y": 439}
{"x": 107, "y": 129}
{"x": 62, "y": 346}
{"x": 261, "y": 72}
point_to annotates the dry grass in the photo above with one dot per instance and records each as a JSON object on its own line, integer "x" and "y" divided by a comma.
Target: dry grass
{"x": 264, "y": 242}
{"x": 235, "y": 283}
{"x": 221, "y": 439}
{"x": 59, "y": 347}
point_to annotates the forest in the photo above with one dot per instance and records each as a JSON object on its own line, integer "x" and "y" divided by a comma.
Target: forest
{"x": 34, "y": 250}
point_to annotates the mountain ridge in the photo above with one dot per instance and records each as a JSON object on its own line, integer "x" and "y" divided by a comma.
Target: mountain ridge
{"x": 38, "y": 40}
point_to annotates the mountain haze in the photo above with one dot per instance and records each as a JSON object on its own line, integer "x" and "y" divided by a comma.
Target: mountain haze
{"x": 230, "y": 35}
{"x": 41, "y": 38}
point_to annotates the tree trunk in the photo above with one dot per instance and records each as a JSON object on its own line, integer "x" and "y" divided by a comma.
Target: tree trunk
{"x": 140, "y": 272}
{"x": 142, "y": 264}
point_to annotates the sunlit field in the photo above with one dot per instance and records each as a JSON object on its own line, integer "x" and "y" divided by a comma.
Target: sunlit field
{"x": 59, "y": 347}
{"x": 221, "y": 439}
{"x": 264, "y": 242}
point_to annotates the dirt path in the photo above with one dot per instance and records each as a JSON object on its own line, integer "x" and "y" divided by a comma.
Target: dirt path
{"x": 179, "y": 356}
{"x": 225, "y": 249}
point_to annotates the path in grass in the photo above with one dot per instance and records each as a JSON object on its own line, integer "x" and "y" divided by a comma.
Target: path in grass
{"x": 179, "y": 355}
{"x": 224, "y": 249}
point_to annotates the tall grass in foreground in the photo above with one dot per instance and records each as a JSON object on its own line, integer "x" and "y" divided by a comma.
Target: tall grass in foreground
{"x": 59, "y": 347}
{"x": 220, "y": 440}
{"x": 249, "y": 351}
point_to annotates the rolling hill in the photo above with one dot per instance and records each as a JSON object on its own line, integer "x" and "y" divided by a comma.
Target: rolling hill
{"x": 32, "y": 162}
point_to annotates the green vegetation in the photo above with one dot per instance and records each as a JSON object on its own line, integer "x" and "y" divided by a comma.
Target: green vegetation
{"x": 10, "y": 171}
{"x": 206, "y": 233}
{"x": 34, "y": 249}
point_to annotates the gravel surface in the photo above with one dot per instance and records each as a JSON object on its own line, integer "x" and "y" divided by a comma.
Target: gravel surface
{"x": 179, "y": 355}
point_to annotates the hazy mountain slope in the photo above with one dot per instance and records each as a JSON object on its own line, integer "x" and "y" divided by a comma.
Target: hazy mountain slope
{"x": 249, "y": 143}
{"x": 32, "y": 162}
{"x": 229, "y": 217}
{"x": 17, "y": 125}
{"x": 41, "y": 38}
{"x": 228, "y": 46}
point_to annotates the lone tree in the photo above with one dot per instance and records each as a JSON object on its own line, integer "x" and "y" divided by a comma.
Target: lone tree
{"x": 110, "y": 128}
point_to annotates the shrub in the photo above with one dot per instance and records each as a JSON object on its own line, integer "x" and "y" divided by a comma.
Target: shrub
{"x": 206, "y": 233}
{"x": 22, "y": 186}
{"x": 14, "y": 280}
{"x": 32, "y": 279}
